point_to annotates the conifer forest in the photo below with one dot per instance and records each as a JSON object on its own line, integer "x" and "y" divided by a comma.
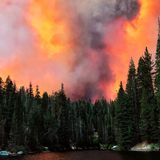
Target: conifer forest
{"x": 33, "y": 119}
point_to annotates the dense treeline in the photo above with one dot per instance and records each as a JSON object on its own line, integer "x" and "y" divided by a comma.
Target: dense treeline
{"x": 34, "y": 120}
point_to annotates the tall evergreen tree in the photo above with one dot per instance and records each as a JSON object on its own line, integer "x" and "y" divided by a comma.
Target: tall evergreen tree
{"x": 148, "y": 112}
{"x": 2, "y": 118}
{"x": 157, "y": 79}
{"x": 62, "y": 102}
{"x": 103, "y": 122}
{"x": 157, "y": 69}
{"x": 18, "y": 119}
{"x": 30, "y": 99}
{"x": 8, "y": 108}
{"x": 124, "y": 128}
{"x": 37, "y": 96}
{"x": 131, "y": 90}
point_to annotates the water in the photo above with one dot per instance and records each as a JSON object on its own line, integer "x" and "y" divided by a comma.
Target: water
{"x": 93, "y": 155}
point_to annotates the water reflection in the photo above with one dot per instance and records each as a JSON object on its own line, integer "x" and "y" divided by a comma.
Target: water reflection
{"x": 83, "y": 155}
{"x": 94, "y": 155}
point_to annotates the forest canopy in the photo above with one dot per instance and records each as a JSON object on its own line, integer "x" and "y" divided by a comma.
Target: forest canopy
{"x": 35, "y": 120}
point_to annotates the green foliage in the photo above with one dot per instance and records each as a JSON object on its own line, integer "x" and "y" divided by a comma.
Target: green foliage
{"x": 157, "y": 69}
{"x": 155, "y": 147}
{"x": 124, "y": 121}
{"x": 147, "y": 101}
{"x": 157, "y": 83}
{"x": 133, "y": 105}
{"x": 54, "y": 121}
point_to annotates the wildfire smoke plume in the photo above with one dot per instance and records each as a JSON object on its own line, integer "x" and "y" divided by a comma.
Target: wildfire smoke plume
{"x": 86, "y": 45}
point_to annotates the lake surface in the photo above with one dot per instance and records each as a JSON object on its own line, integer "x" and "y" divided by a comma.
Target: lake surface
{"x": 93, "y": 155}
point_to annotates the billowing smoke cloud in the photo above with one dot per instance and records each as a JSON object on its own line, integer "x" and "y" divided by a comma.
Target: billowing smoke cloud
{"x": 71, "y": 41}
{"x": 91, "y": 71}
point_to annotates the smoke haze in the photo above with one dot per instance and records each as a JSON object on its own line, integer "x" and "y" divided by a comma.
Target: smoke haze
{"x": 84, "y": 44}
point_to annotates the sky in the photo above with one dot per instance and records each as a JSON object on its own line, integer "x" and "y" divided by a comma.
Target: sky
{"x": 87, "y": 45}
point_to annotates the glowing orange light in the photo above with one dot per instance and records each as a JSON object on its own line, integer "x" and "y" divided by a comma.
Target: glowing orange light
{"x": 50, "y": 27}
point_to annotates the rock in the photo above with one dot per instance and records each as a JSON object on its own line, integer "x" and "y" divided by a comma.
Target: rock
{"x": 142, "y": 147}
{"x": 4, "y": 153}
{"x": 20, "y": 152}
{"x": 46, "y": 148}
{"x": 73, "y": 148}
{"x": 115, "y": 148}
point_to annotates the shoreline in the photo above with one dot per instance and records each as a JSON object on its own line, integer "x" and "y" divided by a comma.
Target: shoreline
{"x": 14, "y": 155}
{"x": 143, "y": 147}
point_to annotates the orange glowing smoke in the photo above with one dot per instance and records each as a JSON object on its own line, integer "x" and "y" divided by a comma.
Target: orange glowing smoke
{"x": 40, "y": 42}
{"x": 132, "y": 39}
{"x": 52, "y": 29}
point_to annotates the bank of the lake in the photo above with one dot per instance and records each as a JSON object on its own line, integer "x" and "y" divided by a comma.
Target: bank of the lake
{"x": 139, "y": 148}
{"x": 91, "y": 155}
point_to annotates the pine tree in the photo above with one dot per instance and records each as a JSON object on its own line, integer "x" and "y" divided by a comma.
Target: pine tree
{"x": 123, "y": 122}
{"x": 62, "y": 103}
{"x": 131, "y": 90}
{"x": 10, "y": 93}
{"x": 1, "y": 99}
{"x": 37, "y": 96}
{"x": 30, "y": 99}
{"x": 34, "y": 119}
{"x": 140, "y": 78}
{"x": 157, "y": 79}
{"x": 18, "y": 118}
{"x": 2, "y": 119}
{"x": 157, "y": 69}
{"x": 44, "y": 102}
{"x": 147, "y": 99}
{"x": 145, "y": 117}
{"x": 103, "y": 122}
{"x": 30, "y": 91}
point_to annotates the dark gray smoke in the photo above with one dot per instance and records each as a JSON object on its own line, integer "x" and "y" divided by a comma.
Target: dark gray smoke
{"x": 92, "y": 69}
{"x": 127, "y": 8}
{"x": 85, "y": 70}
